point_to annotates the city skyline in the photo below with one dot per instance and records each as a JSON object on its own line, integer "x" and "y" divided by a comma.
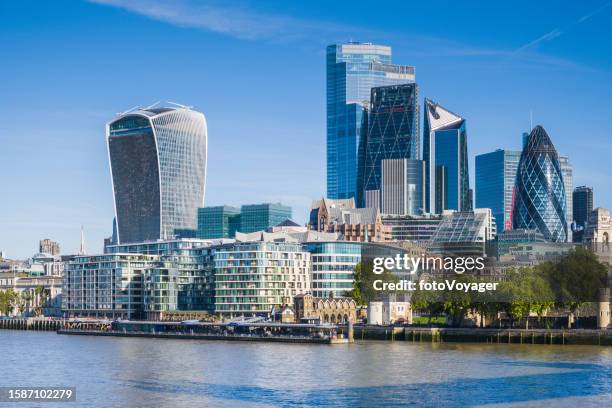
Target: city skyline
{"x": 65, "y": 145}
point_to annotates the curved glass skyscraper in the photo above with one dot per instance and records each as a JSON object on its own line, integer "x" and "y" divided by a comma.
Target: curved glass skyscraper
{"x": 158, "y": 169}
{"x": 539, "y": 198}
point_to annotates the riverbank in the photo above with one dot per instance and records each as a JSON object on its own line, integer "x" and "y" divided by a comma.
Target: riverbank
{"x": 487, "y": 335}
{"x": 31, "y": 324}
{"x": 361, "y": 332}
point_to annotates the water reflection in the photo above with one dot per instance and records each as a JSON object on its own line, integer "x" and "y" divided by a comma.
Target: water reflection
{"x": 143, "y": 372}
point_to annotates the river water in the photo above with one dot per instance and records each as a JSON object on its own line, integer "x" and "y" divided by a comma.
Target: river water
{"x": 137, "y": 372}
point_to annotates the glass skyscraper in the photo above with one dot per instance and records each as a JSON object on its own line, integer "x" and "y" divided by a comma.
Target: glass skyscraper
{"x": 218, "y": 222}
{"x": 353, "y": 69}
{"x": 583, "y": 205}
{"x": 568, "y": 180}
{"x": 447, "y": 181}
{"x": 495, "y": 177}
{"x": 390, "y": 131}
{"x": 158, "y": 168}
{"x": 258, "y": 217}
{"x": 539, "y": 199}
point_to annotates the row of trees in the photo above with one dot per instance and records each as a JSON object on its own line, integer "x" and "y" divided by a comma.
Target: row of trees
{"x": 565, "y": 285}
{"x": 34, "y": 300}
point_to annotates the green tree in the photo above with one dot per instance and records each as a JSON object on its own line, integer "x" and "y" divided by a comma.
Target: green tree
{"x": 526, "y": 290}
{"x": 363, "y": 285}
{"x": 576, "y": 279}
{"x": 7, "y": 301}
{"x": 427, "y": 301}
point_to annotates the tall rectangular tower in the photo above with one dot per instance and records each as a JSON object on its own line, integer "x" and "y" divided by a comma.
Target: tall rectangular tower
{"x": 390, "y": 131}
{"x": 582, "y": 205}
{"x": 495, "y": 177}
{"x": 402, "y": 187}
{"x": 568, "y": 180}
{"x": 353, "y": 69}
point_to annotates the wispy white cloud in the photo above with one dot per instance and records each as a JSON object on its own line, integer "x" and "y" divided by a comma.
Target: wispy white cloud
{"x": 558, "y": 32}
{"x": 236, "y": 21}
{"x": 245, "y": 23}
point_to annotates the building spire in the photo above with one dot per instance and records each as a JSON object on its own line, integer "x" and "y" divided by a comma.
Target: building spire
{"x": 82, "y": 246}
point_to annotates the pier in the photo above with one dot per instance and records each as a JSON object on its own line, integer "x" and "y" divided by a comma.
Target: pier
{"x": 195, "y": 330}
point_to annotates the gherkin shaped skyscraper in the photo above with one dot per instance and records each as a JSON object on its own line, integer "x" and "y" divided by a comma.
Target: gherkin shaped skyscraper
{"x": 539, "y": 197}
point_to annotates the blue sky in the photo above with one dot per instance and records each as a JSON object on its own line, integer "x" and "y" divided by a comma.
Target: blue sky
{"x": 257, "y": 71}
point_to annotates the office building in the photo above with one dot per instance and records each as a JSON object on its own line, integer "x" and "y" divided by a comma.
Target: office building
{"x": 390, "y": 131}
{"x": 252, "y": 277}
{"x": 568, "y": 182}
{"x": 333, "y": 267}
{"x": 353, "y": 69}
{"x": 464, "y": 233}
{"x": 258, "y": 217}
{"x": 511, "y": 238}
{"x": 495, "y": 177}
{"x": 402, "y": 189}
{"x": 409, "y": 228}
{"x": 582, "y": 205}
{"x": 539, "y": 200}
{"x": 218, "y": 222}
{"x": 47, "y": 246}
{"x": 447, "y": 182}
{"x": 158, "y": 171}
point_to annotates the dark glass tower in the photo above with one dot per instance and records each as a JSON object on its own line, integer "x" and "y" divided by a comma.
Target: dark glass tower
{"x": 583, "y": 205}
{"x": 447, "y": 182}
{"x": 539, "y": 199}
{"x": 390, "y": 131}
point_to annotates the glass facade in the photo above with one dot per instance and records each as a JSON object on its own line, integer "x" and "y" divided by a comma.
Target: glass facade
{"x": 333, "y": 267}
{"x": 105, "y": 286}
{"x": 540, "y": 201}
{"x": 252, "y": 277}
{"x": 158, "y": 167}
{"x": 391, "y": 131}
{"x": 583, "y": 205}
{"x": 179, "y": 276}
{"x": 568, "y": 181}
{"x": 463, "y": 232}
{"x": 258, "y": 217}
{"x": 353, "y": 69}
{"x": 495, "y": 177}
{"x": 445, "y": 155}
{"x": 218, "y": 222}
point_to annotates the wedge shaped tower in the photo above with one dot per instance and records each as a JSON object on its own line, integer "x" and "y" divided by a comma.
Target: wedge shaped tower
{"x": 445, "y": 154}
